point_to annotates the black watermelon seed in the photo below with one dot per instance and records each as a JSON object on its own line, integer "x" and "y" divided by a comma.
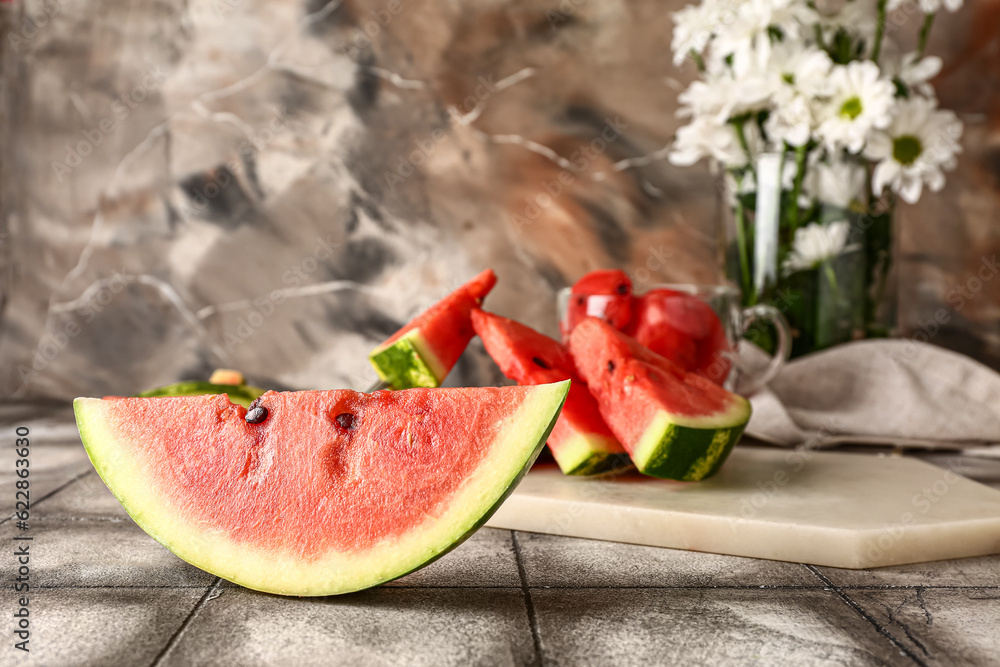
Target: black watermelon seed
{"x": 256, "y": 415}
{"x": 345, "y": 420}
{"x": 622, "y": 288}
{"x": 580, "y": 300}
{"x": 538, "y": 361}
{"x": 611, "y": 367}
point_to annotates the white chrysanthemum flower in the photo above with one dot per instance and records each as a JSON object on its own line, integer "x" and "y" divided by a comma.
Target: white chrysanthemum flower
{"x": 921, "y": 142}
{"x": 839, "y": 184}
{"x": 729, "y": 91}
{"x": 926, "y": 6}
{"x": 705, "y": 138}
{"x": 754, "y": 17}
{"x": 801, "y": 74}
{"x": 802, "y": 67}
{"x": 912, "y": 70}
{"x": 858, "y": 18}
{"x": 860, "y": 100}
{"x": 791, "y": 121}
{"x": 816, "y": 243}
{"x": 722, "y": 97}
{"x": 933, "y": 6}
{"x": 695, "y": 24}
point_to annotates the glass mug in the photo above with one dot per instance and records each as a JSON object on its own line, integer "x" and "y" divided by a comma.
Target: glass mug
{"x": 745, "y": 375}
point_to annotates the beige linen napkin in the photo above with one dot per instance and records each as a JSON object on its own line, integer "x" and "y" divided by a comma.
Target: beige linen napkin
{"x": 881, "y": 392}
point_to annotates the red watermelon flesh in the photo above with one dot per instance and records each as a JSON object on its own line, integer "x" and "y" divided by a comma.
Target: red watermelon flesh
{"x": 606, "y": 294}
{"x": 674, "y": 424}
{"x": 332, "y": 491}
{"x": 581, "y": 443}
{"x": 423, "y": 352}
{"x": 684, "y": 329}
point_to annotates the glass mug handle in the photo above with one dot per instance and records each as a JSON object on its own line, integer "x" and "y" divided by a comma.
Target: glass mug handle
{"x": 752, "y": 315}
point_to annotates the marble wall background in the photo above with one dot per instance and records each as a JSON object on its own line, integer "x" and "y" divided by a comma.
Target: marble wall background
{"x": 264, "y": 185}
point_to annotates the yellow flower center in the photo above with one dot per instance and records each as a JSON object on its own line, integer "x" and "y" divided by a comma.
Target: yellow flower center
{"x": 906, "y": 149}
{"x": 851, "y": 108}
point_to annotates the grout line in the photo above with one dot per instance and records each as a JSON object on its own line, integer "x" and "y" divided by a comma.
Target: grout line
{"x": 623, "y": 587}
{"x": 536, "y": 637}
{"x": 770, "y": 587}
{"x": 158, "y": 660}
{"x": 52, "y": 493}
{"x": 122, "y": 587}
{"x": 865, "y": 615}
{"x": 78, "y": 519}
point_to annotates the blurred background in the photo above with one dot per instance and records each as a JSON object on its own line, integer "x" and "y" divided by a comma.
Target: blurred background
{"x": 277, "y": 186}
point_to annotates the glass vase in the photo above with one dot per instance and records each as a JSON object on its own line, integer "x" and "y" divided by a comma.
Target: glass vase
{"x": 825, "y": 265}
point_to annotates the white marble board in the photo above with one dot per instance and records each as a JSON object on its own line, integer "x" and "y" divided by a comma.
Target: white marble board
{"x": 835, "y": 509}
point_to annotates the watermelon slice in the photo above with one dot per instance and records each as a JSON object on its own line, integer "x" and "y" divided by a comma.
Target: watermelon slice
{"x": 674, "y": 424}
{"x": 422, "y": 353}
{"x": 317, "y": 492}
{"x": 606, "y": 294}
{"x": 684, "y": 329}
{"x": 581, "y": 443}
{"x": 241, "y": 394}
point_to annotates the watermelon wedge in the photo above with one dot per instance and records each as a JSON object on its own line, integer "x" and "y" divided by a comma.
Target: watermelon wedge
{"x": 674, "y": 424}
{"x": 241, "y": 394}
{"x": 606, "y": 294}
{"x": 423, "y": 352}
{"x": 581, "y": 443}
{"x": 317, "y": 492}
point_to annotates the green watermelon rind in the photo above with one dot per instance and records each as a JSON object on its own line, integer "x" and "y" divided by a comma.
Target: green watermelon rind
{"x": 408, "y": 362}
{"x": 241, "y": 394}
{"x": 500, "y": 501}
{"x": 690, "y": 449}
{"x": 587, "y": 455}
{"x": 478, "y": 498}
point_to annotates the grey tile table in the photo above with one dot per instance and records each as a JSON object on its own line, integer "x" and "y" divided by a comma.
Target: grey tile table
{"x": 105, "y": 594}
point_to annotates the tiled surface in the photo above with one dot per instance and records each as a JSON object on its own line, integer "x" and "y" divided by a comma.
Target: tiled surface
{"x": 984, "y": 571}
{"x": 705, "y": 626}
{"x": 104, "y": 593}
{"x": 422, "y": 626}
{"x": 564, "y": 562}
{"x": 928, "y": 621}
{"x": 106, "y": 627}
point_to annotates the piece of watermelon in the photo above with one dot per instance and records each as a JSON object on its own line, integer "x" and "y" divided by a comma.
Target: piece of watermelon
{"x": 581, "y": 443}
{"x": 422, "y": 353}
{"x": 606, "y": 294}
{"x": 674, "y": 424}
{"x": 317, "y": 492}
{"x": 684, "y": 329}
{"x": 241, "y": 394}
